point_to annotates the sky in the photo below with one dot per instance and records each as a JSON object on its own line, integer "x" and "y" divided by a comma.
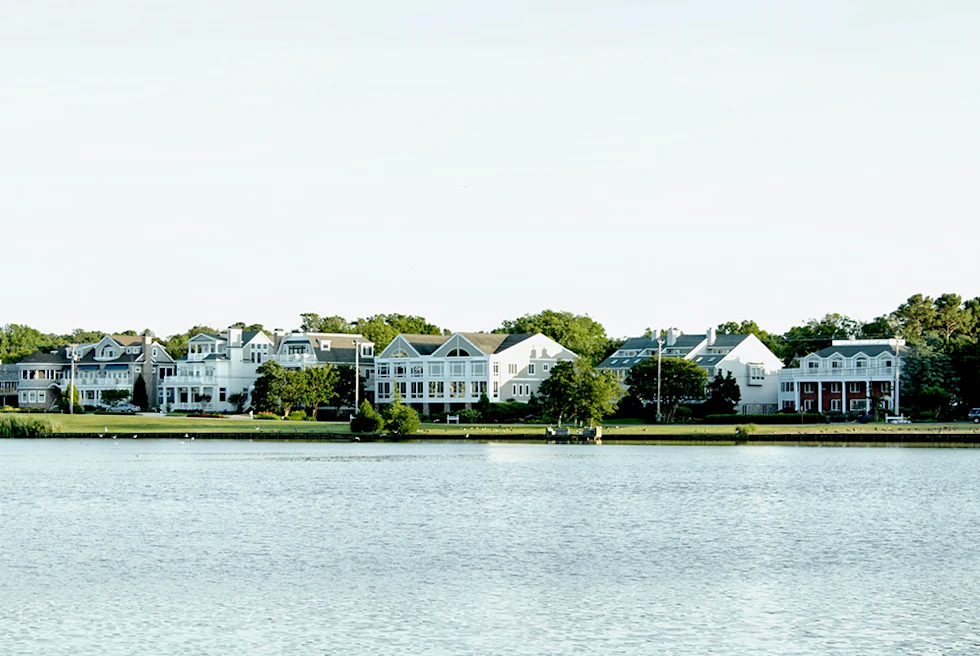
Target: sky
{"x": 650, "y": 164}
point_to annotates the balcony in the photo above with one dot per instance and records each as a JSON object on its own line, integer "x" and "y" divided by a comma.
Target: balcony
{"x": 293, "y": 359}
{"x": 184, "y": 381}
{"x": 830, "y": 373}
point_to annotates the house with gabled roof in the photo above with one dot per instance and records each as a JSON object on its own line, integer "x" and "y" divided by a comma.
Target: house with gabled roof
{"x": 217, "y": 367}
{"x": 442, "y": 373}
{"x": 753, "y": 366}
{"x": 850, "y": 375}
{"x": 299, "y": 350}
{"x": 112, "y": 363}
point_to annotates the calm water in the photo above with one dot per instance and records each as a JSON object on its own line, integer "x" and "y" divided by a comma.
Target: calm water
{"x": 153, "y": 547}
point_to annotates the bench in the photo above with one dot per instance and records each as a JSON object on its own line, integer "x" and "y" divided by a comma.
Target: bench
{"x": 452, "y": 419}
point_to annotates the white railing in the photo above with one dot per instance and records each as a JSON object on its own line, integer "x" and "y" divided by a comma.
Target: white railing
{"x": 842, "y": 372}
{"x": 170, "y": 381}
{"x": 286, "y": 358}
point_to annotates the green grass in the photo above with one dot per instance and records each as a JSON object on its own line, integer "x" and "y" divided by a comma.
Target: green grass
{"x": 175, "y": 424}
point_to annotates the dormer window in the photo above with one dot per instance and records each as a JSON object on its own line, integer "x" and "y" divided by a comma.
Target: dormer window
{"x": 108, "y": 352}
{"x": 860, "y": 363}
{"x": 367, "y": 350}
{"x": 324, "y": 344}
{"x": 813, "y": 364}
{"x": 837, "y": 364}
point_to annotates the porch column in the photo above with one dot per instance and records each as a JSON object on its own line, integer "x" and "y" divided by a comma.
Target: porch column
{"x": 820, "y": 396}
{"x": 799, "y": 403}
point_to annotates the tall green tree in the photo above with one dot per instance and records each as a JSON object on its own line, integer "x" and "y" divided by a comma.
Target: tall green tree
{"x": 383, "y": 328}
{"x": 270, "y": 387}
{"x": 140, "y": 397}
{"x": 345, "y": 386}
{"x": 680, "y": 381}
{"x": 17, "y": 341}
{"x": 578, "y": 391}
{"x": 915, "y": 318}
{"x": 951, "y": 318}
{"x": 579, "y": 333}
{"x": 724, "y": 395}
{"x": 317, "y": 387}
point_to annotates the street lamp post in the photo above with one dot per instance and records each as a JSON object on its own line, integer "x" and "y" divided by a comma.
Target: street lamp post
{"x": 71, "y": 385}
{"x": 357, "y": 374}
{"x": 660, "y": 355}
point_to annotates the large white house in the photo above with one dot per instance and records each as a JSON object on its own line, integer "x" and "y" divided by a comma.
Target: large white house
{"x": 112, "y": 363}
{"x": 217, "y": 367}
{"x": 447, "y": 372}
{"x": 844, "y": 377}
{"x": 754, "y": 367}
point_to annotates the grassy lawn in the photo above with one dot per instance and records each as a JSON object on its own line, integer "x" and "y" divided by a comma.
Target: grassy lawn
{"x": 170, "y": 424}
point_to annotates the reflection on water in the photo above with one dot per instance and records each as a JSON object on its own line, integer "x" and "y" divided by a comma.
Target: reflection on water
{"x": 233, "y": 547}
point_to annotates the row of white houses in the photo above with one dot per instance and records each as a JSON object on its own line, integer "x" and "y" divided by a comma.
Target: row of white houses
{"x": 438, "y": 373}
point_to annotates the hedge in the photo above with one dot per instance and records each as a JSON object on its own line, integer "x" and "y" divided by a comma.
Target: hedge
{"x": 812, "y": 418}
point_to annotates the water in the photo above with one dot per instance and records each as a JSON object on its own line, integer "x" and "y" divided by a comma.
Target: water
{"x": 209, "y": 547}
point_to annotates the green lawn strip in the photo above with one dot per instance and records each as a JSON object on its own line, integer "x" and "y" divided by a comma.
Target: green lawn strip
{"x": 174, "y": 424}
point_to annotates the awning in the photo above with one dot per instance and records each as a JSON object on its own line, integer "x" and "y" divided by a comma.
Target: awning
{"x": 87, "y": 367}
{"x": 116, "y": 367}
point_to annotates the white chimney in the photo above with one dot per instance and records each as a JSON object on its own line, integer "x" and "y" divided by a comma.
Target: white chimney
{"x": 710, "y": 336}
{"x": 671, "y": 336}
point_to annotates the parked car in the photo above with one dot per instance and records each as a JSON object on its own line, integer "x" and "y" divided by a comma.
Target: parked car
{"x": 124, "y": 407}
{"x": 974, "y": 416}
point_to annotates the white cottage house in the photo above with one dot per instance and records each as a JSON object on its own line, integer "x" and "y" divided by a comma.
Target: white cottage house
{"x": 441, "y": 373}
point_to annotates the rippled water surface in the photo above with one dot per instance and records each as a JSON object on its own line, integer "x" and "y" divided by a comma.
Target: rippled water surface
{"x": 210, "y": 547}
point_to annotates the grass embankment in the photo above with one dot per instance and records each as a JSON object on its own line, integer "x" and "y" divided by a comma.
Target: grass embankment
{"x": 96, "y": 424}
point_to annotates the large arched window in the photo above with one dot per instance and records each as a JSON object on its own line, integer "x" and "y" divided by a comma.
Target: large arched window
{"x": 399, "y": 354}
{"x": 458, "y": 353}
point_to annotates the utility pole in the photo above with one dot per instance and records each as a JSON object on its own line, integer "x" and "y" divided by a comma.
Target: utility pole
{"x": 898, "y": 363}
{"x": 660, "y": 357}
{"x": 71, "y": 385}
{"x": 357, "y": 374}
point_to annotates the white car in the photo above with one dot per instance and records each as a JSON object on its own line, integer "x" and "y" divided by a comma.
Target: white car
{"x": 124, "y": 407}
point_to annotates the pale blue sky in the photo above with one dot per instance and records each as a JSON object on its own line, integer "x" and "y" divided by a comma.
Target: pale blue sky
{"x": 164, "y": 164}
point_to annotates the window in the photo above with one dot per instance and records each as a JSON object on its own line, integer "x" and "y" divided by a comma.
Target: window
{"x": 858, "y": 405}
{"x": 296, "y": 349}
{"x": 400, "y": 369}
{"x": 222, "y": 393}
{"x": 808, "y": 405}
{"x": 886, "y": 387}
{"x": 530, "y": 369}
{"x": 478, "y": 387}
{"x": 860, "y": 363}
{"x": 888, "y": 363}
{"x": 416, "y": 371}
{"x": 40, "y": 397}
{"x": 813, "y": 364}
{"x": 835, "y": 405}
{"x": 324, "y": 344}
{"x": 496, "y": 368}
{"x": 789, "y": 405}
{"x": 436, "y": 370}
{"x": 496, "y": 389}
{"x": 437, "y": 389}
{"x": 383, "y": 371}
{"x": 478, "y": 368}
{"x": 457, "y": 389}
{"x": 399, "y": 354}
{"x": 384, "y": 390}
{"x": 33, "y": 397}
{"x": 788, "y": 387}
{"x": 418, "y": 389}
{"x": 757, "y": 374}
{"x": 835, "y": 388}
{"x": 544, "y": 368}
{"x": 808, "y": 388}
{"x": 512, "y": 368}
{"x": 855, "y": 388}
{"x": 367, "y": 350}
{"x": 522, "y": 389}
{"x": 457, "y": 369}
{"x": 837, "y": 364}
{"x": 403, "y": 388}
{"x": 459, "y": 353}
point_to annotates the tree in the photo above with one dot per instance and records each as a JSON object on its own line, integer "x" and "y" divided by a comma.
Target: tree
{"x": 580, "y": 334}
{"x": 816, "y": 334}
{"x": 270, "y": 387}
{"x": 383, "y": 328}
{"x": 925, "y": 367}
{"x": 680, "y": 380}
{"x": 366, "y": 420}
{"x": 915, "y": 318}
{"x": 578, "y": 391}
{"x": 950, "y": 319}
{"x": 317, "y": 386}
{"x": 483, "y": 407}
{"x": 345, "y": 386}
{"x": 252, "y": 327}
{"x": 723, "y": 395}
{"x": 314, "y": 323}
{"x": 401, "y": 419}
{"x": 748, "y": 327}
{"x": 18, "y": 341}
{"x": 112, "y": 397}
{"x": 63, "y": 399}
{"x": 140, "y": 397}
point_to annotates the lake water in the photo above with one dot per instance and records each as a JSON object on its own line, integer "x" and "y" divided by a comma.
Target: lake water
{"x": 211, "y": 547}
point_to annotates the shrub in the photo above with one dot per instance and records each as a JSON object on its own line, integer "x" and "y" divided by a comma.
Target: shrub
{"x": 401, "y": 419}
{"x": 267, "y": 416}
{"x": 470, "y": 416}
{"x": 366, "y": 420}
{"x": 19, "y": 427}
{"x": 745, "y": 430}
{"x": 297, "y": 415}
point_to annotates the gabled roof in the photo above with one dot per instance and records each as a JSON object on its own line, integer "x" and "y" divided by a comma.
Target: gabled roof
{"x": 849, "y": 351}
{"x": 40, "y": 357}
{"x": 249, "y": 335}
{"x": 490, "y": 343}
{"x": 127, "y": 340}
{"x": 425, "y": 344}
{"x": 9, "y": 373}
